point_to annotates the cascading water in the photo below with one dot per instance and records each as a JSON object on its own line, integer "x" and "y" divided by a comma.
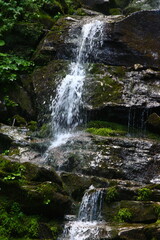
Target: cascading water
{"x": 89, "y": 218}
{"x": 68, "y": 101}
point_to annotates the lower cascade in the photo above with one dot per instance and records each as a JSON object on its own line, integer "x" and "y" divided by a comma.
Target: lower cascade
{"x": 89, "y": 223}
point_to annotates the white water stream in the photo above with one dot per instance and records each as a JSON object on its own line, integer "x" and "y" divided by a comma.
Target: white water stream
{"x": 89, "y": 223}
{"x": 67, "y": 105}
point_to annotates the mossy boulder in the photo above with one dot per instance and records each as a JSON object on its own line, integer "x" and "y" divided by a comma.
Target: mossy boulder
{"x": 75, "y": 185}
{"x": 53, "y": 45}
{"x": 37, "y": 190}
{"x": 140, "y": 212}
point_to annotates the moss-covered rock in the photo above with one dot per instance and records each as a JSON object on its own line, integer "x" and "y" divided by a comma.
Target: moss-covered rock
{"x": 45, "y": 80}
{"x": 130, "y": 211}
{"x": 76, "y": 184}
{"x": 38, "y": 191}
{"x": 53, "y": 45}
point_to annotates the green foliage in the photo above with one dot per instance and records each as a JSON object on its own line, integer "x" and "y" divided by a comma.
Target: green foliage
{"x": 8, "y": 102}
{"x": 2, "y": 43}
{"x": 157, "y": 209}
{"x": 144, "y": 194}
{"x": 124, "y": 215}
{"x": 6, "y": 152}
{"x": 57, "y": 16}
{"x": 19, "y": 120}
{"x": 111, "y": 194}
{"x": 14, "y": 223}
{"x": 55, "y": 230}
{"x": 15, "y": 10}
{"x": 18, "y": 175}
{"x": 11, "y": 66}
{"x": 32, "y": 125}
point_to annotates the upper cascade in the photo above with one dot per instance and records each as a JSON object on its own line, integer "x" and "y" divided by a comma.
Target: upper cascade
{"x": 68, "y": 102}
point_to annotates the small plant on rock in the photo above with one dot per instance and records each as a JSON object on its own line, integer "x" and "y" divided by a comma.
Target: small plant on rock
{"x": 111, "y": 194}
{"x": 144, "y": 194}
{"x": 124, "y": 215}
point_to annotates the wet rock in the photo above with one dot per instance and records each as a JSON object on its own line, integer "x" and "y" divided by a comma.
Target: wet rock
{"x": 133, "y": 40}
{"x": 120, "y": 86}
{"x": 122, "y": 158}
{"x": 154, "y": 122}
{"x": 45, "y": 80}
{"x": 97, "y": 5}
{"x": 139, "y": 232}
{"x": 142, "y": 5}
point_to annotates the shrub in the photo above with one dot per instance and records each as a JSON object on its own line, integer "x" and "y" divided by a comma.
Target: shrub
{"x": 14, "y": 223}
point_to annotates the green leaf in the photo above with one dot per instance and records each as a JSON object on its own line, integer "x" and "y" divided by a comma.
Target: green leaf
{"x": 2, "y": 43}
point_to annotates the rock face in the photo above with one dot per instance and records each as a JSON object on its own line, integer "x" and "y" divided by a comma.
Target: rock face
{"x": 39, "y": 191}
{"x": 97, "y": 5}
{"x": 132, "y": 40}
{"x": 142, "y": 5}
{"x": 118, "y": 158}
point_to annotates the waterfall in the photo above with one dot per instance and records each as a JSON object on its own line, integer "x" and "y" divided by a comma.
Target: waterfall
{"x": 87, "y": 225}
{"x": 137, "y": 122}
{"x": 66, "y": 106}
{"x": 91, "y": 205}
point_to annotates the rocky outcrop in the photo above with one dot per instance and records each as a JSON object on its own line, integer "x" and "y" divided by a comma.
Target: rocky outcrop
{"x": 118, "y": 158}
{"x": 142, "y": 5}
{"x": 132, "y": 40}
{"x": 38, "y": 191}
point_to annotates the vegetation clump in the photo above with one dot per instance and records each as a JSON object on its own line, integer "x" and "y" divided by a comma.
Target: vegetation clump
{"x": 111, "y": 194}
{"x": 124, "y": 215}
{"x": 106, "y": 128}
{"x": 14, "y": 223}
{"x": 144, "y": 194}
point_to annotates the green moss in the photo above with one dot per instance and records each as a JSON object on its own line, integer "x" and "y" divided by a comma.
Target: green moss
{"x": 80, "y": 12}
{"x": 105, "y": 124}
{"x": 20, "y": 121}
{"x": 144, "y": 194}
{"x": 44, "y": 131}
{"x": 32, "y": 125}
{"x": 124, "y": 215}
{"x": 115, "y": 11}
{"x": 118, "y": 71}
{"x": 121, "y": 3}
{"x": 111, "y": 194}
{"x": 107, "y": 86}
{"x": 105, "y": 132}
